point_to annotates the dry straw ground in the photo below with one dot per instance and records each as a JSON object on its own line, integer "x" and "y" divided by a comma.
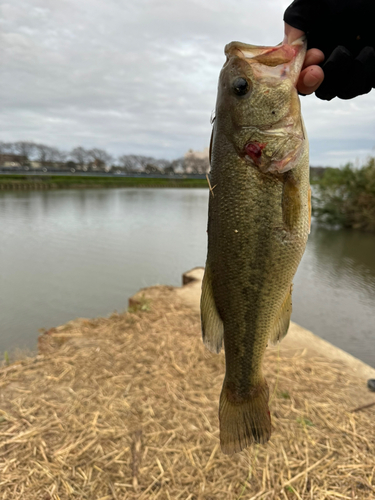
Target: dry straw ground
{"x": 126, "y": 408}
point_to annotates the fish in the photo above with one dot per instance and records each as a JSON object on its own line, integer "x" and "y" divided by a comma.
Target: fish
{"x": 258, "y": 223}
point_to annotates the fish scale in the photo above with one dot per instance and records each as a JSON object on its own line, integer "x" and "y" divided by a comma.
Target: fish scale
{"x": 258, "y": 223}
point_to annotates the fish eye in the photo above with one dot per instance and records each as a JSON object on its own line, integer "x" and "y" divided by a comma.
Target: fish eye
{"x": 240, "y": 86}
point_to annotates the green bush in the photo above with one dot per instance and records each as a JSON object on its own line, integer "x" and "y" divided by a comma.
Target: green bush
{"x": 346, "y": 197}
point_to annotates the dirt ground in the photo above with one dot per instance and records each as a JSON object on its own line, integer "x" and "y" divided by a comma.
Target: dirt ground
{"x": 126, "y": 407}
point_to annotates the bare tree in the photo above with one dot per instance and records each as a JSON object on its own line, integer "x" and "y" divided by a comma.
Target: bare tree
{"x": 49, "y": 155}
{"x": 26, "y": 149}
{"x": 161, "y": 164}
{"x": 123, "y": 165}
{"x": 138, "y": 163}
{"x": 6, "y": 148}
{"x": 178, "y": 165}
{"x": 80, "y": 156}
{"x": 199, "y": 166}
{"x": 99, "y": 157}
{"x": 59, "y": 156}
{"x": 193, "y": 162}
{"x": 169, "y": 169}
{"x": 43, "y": 152}
{"x": 129, "y": 163}
{"x": 196, "y": 165}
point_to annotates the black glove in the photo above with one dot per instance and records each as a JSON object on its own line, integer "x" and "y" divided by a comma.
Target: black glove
{"x": 343, "y": 31}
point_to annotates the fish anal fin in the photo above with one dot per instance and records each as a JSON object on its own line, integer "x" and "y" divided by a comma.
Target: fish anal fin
{"x": 212, "y": 324}
{"x": 281, "y": 325}
{"x": 244, "y": 420}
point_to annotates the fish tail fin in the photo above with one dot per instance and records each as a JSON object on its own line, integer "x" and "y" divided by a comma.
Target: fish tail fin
{"x": 244, "y": 421}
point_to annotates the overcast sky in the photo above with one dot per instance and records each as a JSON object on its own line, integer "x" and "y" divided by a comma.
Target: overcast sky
{"x": 140, "y": 76}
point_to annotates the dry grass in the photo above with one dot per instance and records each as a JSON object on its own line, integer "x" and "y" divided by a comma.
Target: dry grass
{"x": 126, "y": 408}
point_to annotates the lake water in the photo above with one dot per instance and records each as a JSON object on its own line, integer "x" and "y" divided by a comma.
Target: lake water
{"x": 82, "y": 253}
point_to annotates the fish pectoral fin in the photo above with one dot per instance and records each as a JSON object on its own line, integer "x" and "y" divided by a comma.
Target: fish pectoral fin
{"x": 281, "y": 325}
{"x": 212, "y": 324}
{"x": 291, "y": 202}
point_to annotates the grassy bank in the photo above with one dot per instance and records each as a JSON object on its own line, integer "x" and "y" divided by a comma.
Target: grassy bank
{"x": 126, "y": 407}
{"x": 20, "y": 182}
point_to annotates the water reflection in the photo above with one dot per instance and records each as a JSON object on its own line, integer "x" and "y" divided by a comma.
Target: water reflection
{"x": 346, "y": 253}
{"x": 74, "y": 253}
{"x": 334, "y": 293}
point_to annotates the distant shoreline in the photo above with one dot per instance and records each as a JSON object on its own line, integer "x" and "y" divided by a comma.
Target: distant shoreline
{"x": 40, "y": 182}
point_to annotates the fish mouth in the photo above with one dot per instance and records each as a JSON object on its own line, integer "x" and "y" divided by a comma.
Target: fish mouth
{"x": 282, "y": 61}
{"x": 273, "y": 150}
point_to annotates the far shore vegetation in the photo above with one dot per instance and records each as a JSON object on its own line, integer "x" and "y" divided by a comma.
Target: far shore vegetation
{"x": 82, "y": 182}
{"x": 342, "y": 197}
{"x": 345, "y": 197}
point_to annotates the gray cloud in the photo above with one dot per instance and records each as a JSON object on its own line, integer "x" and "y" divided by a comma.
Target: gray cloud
{"x": 141, "y": 77}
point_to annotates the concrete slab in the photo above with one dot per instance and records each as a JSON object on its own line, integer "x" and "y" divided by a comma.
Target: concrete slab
{"x": 297, "y": 340}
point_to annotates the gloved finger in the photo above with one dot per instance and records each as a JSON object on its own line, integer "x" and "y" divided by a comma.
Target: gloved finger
{"x": 346, "y": 77}
{"x": 366, "y": 58}
{"x": 337, "y": 71}
{"x": 363, "y": 75}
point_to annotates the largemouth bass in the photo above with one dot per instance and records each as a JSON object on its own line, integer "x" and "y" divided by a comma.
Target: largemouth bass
{"x": 258, "y": 223}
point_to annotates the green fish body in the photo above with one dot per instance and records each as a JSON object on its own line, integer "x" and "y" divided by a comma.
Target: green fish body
{"x": 258, "y": 224}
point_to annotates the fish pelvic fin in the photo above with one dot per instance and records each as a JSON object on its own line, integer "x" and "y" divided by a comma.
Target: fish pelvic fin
{"x": 281, "y": 325}
{"x": 244, "y": 420}
{"x": 212, "y": 324}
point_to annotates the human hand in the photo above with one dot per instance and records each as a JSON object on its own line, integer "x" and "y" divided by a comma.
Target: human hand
{"x": 342, "y": 31}
{"x": 311, "y": 75}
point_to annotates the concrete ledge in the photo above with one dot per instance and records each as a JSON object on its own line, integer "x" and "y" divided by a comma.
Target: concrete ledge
{"x": 297, "y": 340}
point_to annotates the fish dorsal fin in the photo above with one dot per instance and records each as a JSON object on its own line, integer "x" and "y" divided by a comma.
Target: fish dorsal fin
{"x": 281, "y": 325}
{"x": 212, "y": 324}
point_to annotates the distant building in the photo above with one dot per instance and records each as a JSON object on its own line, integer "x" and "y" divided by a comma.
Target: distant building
{"x": 48, "y": 164}
{"x": 197, "y": 162}
{"x": 198, "y": 154}
{"x": 12, "y": 160}
{"x": 36, "y": 164}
